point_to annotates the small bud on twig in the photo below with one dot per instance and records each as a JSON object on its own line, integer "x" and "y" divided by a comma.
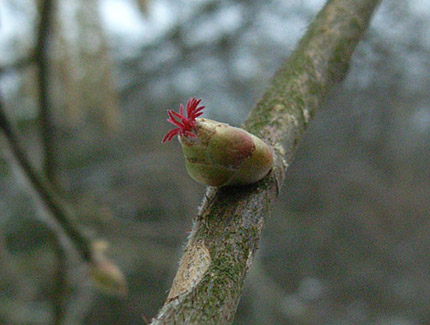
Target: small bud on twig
{"x": 105, "y": 274}
{"x": 217, "y": 154}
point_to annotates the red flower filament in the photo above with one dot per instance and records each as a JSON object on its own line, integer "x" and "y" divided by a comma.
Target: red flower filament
{"x": 184, "y": 124}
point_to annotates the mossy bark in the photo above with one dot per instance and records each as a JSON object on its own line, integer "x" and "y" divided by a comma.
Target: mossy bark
{"x": 227, "y": 229}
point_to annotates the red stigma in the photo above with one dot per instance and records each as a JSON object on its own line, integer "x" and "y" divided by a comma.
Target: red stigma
{"x": 184, "y": 124}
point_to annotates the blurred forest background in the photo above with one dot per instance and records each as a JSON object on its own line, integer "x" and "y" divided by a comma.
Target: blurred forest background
{"x": 348, "y": 241}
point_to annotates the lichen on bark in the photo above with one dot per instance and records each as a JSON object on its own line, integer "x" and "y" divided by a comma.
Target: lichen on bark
{"x": 230, "y": 221}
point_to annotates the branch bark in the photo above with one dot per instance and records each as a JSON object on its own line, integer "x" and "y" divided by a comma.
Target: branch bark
{"x": 55, "y": 205}
{"x": 104, "y": 273}
{"x": 227, "y": 229}
{"x": 42, "y": 61}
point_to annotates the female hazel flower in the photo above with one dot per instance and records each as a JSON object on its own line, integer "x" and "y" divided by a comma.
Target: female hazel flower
{"x": 217, "y": 154}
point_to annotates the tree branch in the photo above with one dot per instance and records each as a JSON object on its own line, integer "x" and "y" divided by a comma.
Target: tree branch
{"x": 226, "y": 231}
{"x": 103, "y": 272}
{"x": 19, "y": 64}
{"x": 61, "y": 285}
{"x": 43, "y": 188}
{"x": 42, "y": 61}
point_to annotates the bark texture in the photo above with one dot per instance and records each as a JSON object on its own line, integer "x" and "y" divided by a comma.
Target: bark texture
{"x": 227, "y": 229}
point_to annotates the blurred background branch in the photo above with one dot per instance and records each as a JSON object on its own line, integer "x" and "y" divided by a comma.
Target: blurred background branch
{"x": 42, "y": 60}
{"x": 17, "y": 65}
{"x": 103, "y": 272}
{"x": 45, "y": 190}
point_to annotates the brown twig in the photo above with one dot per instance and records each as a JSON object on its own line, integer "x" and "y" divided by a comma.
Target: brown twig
{"x": 19, "y": 64}
{"x": 42, "y": 61}
{"x": 61, "y": 285}
{"x": 103, "y": 272}
{"x": 57, "y": 209}
{"x": 44, "y": 189}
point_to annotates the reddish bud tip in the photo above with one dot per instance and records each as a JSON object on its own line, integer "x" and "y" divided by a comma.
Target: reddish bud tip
{"x": 184, "y": 124}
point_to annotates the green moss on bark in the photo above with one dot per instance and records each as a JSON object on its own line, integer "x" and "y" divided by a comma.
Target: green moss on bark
{"x": 231, "y": 220}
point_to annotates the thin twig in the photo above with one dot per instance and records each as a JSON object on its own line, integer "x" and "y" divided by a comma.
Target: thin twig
{"x": 61, "y": 284}
{"x": 42, "y": 61}
{"x": 58, "y": 211}
{"x": 19, "y": 64}
{"x": 45, "y": 190}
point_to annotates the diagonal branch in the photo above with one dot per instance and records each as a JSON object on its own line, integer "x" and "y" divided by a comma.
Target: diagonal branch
{"x": 227, "y": 229}
{"x": 44, "y": 189}
{"x": 105, "y": 274}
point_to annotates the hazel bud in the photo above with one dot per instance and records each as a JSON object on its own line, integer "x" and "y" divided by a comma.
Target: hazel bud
{"x": 108, "y": 278}
{"x": 105, "y": 274}
{"x": 217, "y": 154}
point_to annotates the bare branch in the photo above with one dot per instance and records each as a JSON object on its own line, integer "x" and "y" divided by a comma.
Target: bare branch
{"x": 19, "y": 64}
{"x": 43, "y": 188}
{"x": 61, "y": 285}
{"x": 104, "y": 273}
{"x": 226, "y": 232}
{"x": 42, "y": 61}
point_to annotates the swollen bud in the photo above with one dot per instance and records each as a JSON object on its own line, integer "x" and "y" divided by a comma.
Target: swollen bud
{"x": 106, "y": 276}
{"x": 217, "y": 154}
